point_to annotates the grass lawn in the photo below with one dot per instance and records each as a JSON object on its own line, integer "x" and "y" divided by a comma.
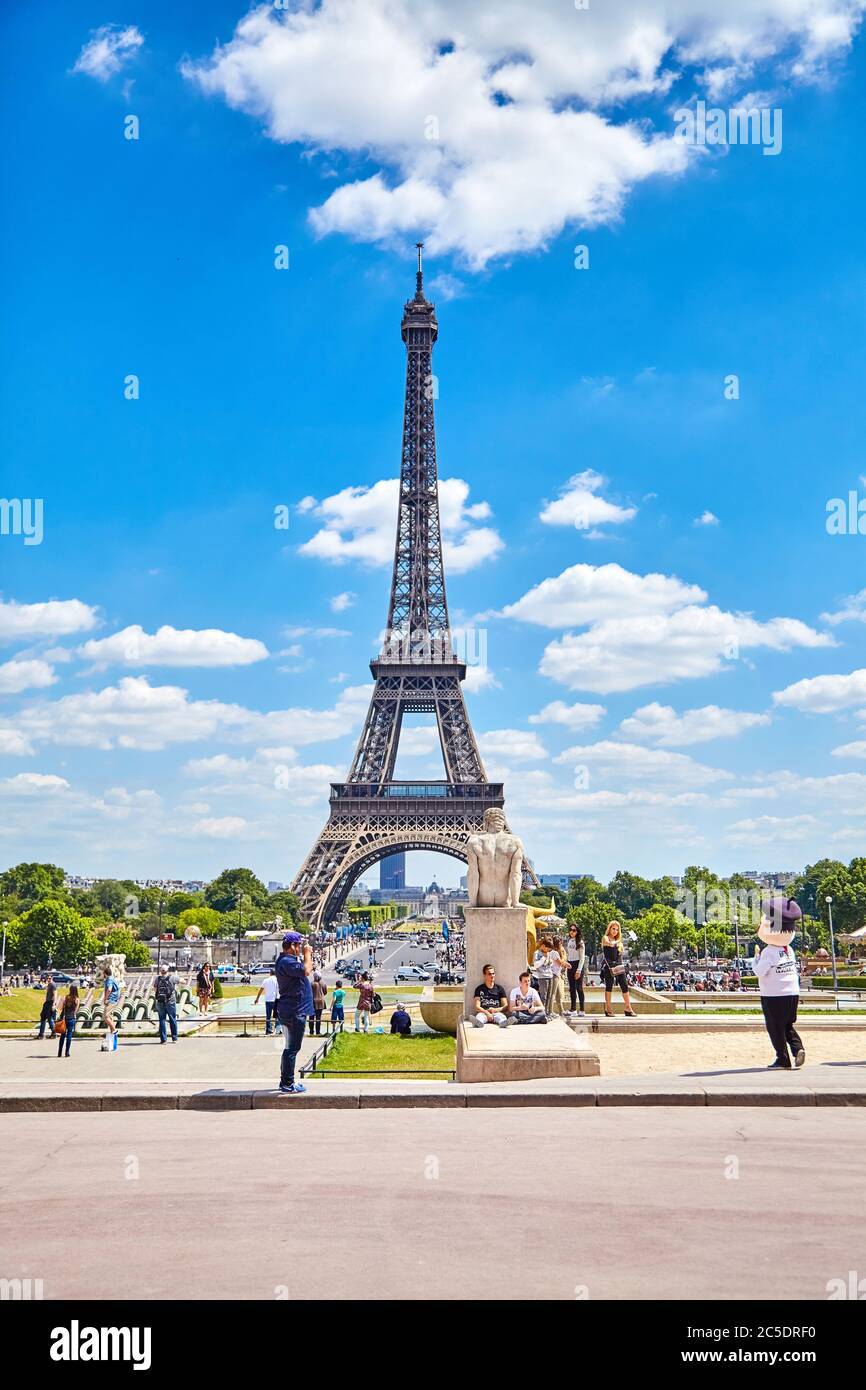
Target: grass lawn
{"x": 21, "y": 1006}
{"x": 369, "y": 1053}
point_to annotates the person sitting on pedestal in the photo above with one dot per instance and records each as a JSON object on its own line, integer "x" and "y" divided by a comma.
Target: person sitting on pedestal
{"x": 526, "y": 1006}
{"x": 490, "y": 1001}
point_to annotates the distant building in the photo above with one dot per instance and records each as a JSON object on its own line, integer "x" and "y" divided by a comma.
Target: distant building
{"x": 392, "y": 872}
{"x": 561, "y": 881}
{"x": 274, "y": 887}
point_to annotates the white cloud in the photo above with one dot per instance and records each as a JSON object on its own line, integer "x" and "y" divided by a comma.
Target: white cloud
{"x": 106, "y": 52}
{"x": 853, "y": 612}
{"x": 770, "y": 830}
{"x": 661, "y": 725}
{"x": 30, "y": 782}
{"x": 315, "y": 632}
{"x": 340, "y": 602}
{"x": 624, "y": 653}
{"x": 16, "y": 676}
{"x": 56, "y": 618}
{"x": 571, "y": 716}
{"x": 851, "y": 750}
{"x": 480, "y": 678}
{"x": 590, "y": 593}
{"x": 13, "y": 744}
{"x": 221, "y": 828}
{"x": 171, "y": 646}
{"x": 580, "y": 506}
{"x": 629, "y": 761}
{"x": 706, "y": 519}
{"x": 824, "y": 694}
{"x": 135, "y": 714}
{"x": 515, "y": 744}
{"x": 360, "y": 524}
{"x": 518, "y": 149}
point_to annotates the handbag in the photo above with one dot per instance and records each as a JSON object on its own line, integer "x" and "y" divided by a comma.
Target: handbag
{"x": 59, "y": 1026}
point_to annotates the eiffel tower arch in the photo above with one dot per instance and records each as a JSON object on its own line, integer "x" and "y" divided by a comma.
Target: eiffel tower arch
{"x": 371, "y": 815}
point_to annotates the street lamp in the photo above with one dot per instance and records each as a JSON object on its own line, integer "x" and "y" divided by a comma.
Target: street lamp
{"x": 3, "y": 957}
{"x": 239, "y": 899}
{"x": 158, "y": 932}
{"x": 829, "y": 901}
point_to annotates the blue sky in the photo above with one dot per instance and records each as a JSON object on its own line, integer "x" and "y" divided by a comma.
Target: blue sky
{"x": 715, "y": 713}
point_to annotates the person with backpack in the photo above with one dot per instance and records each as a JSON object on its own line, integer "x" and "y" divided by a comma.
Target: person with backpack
{"x": 166, "y": 1003}
{"x": 66, "y": 1019}
{"x": 364, "y": 1006}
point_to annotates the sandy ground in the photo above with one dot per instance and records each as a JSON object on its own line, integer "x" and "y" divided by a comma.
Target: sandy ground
{"x": 621, "y": 1055}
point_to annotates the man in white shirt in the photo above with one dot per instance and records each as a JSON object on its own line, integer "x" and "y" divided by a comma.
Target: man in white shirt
{"x": 269, "y": 990}
{"x": 776, "y": 969}
{"x": 526, "y": 1005}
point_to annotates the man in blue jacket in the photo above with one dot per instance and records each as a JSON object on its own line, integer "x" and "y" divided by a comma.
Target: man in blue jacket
{"x": 294, "y": 1005}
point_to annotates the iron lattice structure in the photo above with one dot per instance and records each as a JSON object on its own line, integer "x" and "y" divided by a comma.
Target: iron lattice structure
{"x": 416, "y": 671}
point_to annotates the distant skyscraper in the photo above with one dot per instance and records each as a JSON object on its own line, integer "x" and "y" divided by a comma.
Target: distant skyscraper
{"x": 392, "y": 871}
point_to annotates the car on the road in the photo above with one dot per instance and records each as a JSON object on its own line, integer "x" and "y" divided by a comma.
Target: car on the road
{"x": 411, "y": 972}
{"x": 60, "y": 979}
{"x": 262, "y": 968}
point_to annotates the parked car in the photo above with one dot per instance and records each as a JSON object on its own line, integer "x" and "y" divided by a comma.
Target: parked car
{"x": 261, "y": 968}
{"x": 412, "y": 972}
{"x": 60, "y": 979}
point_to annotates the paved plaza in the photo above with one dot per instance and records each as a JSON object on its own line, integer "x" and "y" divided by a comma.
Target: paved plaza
{"x": 662, "y": 1203}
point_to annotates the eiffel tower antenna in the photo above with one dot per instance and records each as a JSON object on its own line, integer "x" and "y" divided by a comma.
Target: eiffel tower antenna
{"x": 372, "y": 816}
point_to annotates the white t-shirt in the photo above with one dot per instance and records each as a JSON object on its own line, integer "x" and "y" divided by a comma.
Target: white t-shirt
{"x": 531, "y": 997}
{"x": 270, "y": 989}
{"x": 776, "y": 969}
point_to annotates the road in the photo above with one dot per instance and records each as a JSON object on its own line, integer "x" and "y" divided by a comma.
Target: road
{"x": 660, "y": 1202}
{"x": 390, "y": 958}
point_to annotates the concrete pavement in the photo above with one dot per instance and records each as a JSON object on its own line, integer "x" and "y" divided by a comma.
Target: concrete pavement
{"x": 666, "y": 1203}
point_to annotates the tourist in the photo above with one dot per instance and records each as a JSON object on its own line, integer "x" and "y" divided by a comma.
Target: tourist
{"x": 46, "y": 1017}
{"x": 66, "y": 1019}
{"x": 269, "y": 990}
{"x": 491, "y": 1004}
{"x": 204, "y": 986}
{"x": 779, "y": 983}
{"x": 401, "y": 1023}
{"x": 556, "y": 959}
{"x": 320, "y": 989}
{"x": 614, "y": 969}
{"x": 110, "y": 1001}
{"x": 526, "y": 1005}
{"x": 542, "y": 968}
{"x": 364, "y": 1006}
{"x": 294, "y": 1005}
{"x": 165, "y": 993}
{"x": 338, "y": 1013}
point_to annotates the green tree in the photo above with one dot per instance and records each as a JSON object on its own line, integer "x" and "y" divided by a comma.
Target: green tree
{"x": 112, "y": 895}
{"x": 122, "y": 941}
{"x": 30, "y": 883}
{"x": 207, "y": 919}
{"x": 285, "y": 903}
{"x": 177, "y": 903}
{"x": 664, "y": 891}
{"x": 806, "y": 888}
{"x": 592, "y": 917}
{"x": 223, "y": 893}
{"x": 581, "y": 890}
{"x": 630, "y": 893}
{"x": 53, "y": 931}
{"x": 661, "y": 929}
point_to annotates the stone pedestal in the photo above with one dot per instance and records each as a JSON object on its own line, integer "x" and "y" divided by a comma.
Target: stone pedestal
{"x": 524, "y": 1052}
{"x": 497, "y": 935}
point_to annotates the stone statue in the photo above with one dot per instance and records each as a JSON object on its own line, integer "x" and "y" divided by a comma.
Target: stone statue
{"x": 494, "y": 862}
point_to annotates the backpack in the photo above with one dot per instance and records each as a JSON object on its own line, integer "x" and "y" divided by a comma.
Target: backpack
{"x": 377, "y": 1006}
{"x": 164, "y": 989}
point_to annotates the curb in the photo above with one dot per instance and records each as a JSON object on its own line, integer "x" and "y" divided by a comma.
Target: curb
{"x": 470, "y": 1098}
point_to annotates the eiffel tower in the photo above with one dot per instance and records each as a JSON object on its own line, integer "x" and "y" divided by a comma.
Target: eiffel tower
{"x": 371, "y": 815}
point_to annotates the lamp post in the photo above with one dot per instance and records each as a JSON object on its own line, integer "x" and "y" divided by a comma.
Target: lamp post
{"x": 829, "y": 901}
{"x": 3, "y": 957}
{"x": 239, "y": 899}
{"x": 158, "y": 932}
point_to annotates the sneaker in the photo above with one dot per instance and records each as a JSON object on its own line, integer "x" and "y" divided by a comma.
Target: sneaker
{"x": 296, "y": 1089}
{"x": 779, "y": 1066}
{"x": 800, "y": 1057}
{"x": 581, "y": 1013}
